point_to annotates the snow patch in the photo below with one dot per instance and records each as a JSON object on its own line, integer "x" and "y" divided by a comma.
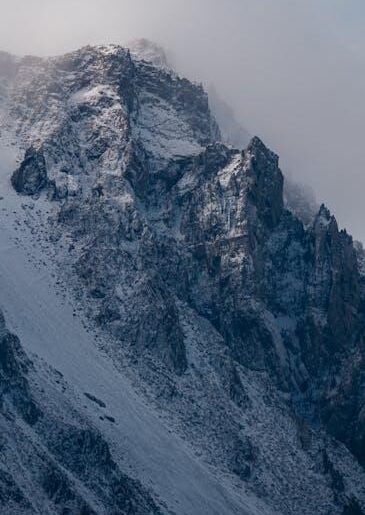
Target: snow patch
{"x": 93, "y": 95}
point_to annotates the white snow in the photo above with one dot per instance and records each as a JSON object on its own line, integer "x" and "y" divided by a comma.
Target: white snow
{"x": 162, "y": 130}
{"x": 228, "y": 171}
{"x": 92, "y": 95}
{"x": 109, "y": 49}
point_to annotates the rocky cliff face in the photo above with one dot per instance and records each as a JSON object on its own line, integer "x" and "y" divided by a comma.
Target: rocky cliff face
{"x": 242, "y": 324}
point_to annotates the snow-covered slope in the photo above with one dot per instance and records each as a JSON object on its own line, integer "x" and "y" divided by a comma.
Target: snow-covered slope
{"x": 210, "y": 345}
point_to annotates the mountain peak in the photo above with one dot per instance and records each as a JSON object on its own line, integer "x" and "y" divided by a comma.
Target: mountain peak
{"x": 324, "y": 217}
{"x": 259, "y": 149}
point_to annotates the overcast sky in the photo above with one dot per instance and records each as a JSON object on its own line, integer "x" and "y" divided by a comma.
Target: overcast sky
{"x": 294, "y": 70}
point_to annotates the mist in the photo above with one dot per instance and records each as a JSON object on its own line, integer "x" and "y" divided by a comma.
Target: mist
{"x": 293, "y": 71}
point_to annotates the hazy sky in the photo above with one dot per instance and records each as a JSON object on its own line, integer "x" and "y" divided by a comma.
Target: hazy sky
{"x": 294, "y": 70}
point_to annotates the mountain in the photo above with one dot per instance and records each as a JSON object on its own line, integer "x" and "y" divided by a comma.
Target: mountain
{"x": 185, "y": 341}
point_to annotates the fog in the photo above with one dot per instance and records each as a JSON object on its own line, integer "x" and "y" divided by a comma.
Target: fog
{"x": 293, "y": 70}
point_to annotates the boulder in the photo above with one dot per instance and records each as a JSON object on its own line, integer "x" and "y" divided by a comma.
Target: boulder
{"x": 31, "y": 176}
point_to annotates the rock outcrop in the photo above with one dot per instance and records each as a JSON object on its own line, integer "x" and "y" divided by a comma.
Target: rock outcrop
{"x": 31, "y": 176}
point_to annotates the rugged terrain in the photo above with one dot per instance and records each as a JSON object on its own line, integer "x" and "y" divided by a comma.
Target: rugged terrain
{"x": 189, "y": 339}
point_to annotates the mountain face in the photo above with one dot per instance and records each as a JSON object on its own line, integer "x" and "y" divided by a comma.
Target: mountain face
{"x": 223, "y": 325}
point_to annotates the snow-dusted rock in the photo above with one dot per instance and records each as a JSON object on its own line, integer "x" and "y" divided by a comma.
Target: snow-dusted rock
{"x": 241, "y": 325}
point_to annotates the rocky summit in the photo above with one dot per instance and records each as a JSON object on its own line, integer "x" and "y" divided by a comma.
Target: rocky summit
{"x": 183, "y": 329}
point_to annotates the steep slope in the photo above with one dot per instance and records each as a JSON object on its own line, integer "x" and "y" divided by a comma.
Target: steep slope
{"x": 53, "y": 460}
{"x": 241, "y": 328}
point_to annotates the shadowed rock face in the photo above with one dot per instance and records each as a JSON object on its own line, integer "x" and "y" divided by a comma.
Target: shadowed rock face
{"x": 180, "y": 243}
{"x": 252, "y": 264}
{"x": 31, "y": 176}
{"x": 14, "y": 366}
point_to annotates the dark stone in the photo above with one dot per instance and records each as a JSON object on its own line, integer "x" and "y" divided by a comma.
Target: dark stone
{"x": 31, "y": 176}
{"x": 95, "y": 399}
{"x": 14, "y": 366}
{"x": 10, "y": 492}
{"x": 243, "y": 458}
{"x": 353, "y": 508}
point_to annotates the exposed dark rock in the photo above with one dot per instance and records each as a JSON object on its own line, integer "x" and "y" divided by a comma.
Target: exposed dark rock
{"x": 353, "y": 508}
{"x": 10, "y": 494}
{"x": 14, "y": 366}
{"x": 85, "y": 453}
{"x": 59, "y": 490}
{"x": 95, "y": 399}
{"x": 243, "y": 456}
{"x": 267, "y": 193}
{"x": 31, "y": 176}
